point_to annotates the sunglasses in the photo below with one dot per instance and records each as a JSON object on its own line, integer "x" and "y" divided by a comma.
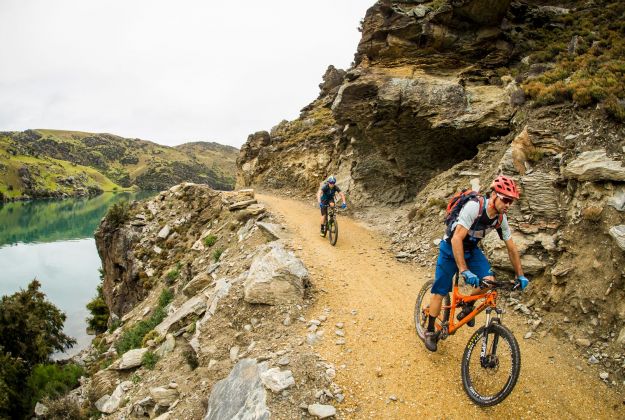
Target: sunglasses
{"x": 506, "y": 200}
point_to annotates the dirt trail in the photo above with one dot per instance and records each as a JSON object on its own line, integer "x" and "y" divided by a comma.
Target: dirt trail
{"x": 373, "y": 295}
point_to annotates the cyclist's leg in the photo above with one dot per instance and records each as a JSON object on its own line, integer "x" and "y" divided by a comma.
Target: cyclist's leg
{"x": 324, "y": 216}
{"x": 445, "y": 270}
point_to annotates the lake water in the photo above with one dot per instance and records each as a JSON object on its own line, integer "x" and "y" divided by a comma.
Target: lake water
{"x": 53, "y": 242}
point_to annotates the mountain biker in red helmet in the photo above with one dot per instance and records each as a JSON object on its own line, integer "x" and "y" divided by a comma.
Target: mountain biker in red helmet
{"x": 458, "y": 251}
{"x": 325, "y": 198}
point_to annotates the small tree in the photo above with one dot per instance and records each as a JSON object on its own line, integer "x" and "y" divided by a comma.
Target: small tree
{"x": 99, "y": 313}
{"x": 31, "y": 328}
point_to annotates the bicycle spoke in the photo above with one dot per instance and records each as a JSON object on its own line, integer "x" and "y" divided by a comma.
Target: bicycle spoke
{"x": 490, "y": 374}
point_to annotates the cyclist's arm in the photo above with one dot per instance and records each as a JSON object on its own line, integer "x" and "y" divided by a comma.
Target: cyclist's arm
{"x": 515, "y": 258}
{"x": 458, "y": 248}
{"x": 342, "y": 197}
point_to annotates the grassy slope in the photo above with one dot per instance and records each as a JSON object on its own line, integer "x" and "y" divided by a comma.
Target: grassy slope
{"x": 49, "y": 170}
{"x": 109, "y": 162}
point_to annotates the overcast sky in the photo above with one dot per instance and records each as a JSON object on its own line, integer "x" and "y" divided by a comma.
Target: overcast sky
{"x": 169, "y": 71}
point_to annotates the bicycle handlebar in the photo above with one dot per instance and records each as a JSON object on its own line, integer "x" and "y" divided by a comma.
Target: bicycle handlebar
{"x": 494, "y": 284}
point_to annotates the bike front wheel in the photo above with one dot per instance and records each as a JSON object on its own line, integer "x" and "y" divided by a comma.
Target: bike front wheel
{"x": 333, "y": 231}
{"x": 421, "y": 310}
{"x": 490, "y": 365}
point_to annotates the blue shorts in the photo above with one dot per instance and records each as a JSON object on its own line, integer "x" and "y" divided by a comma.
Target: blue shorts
{"x": 446, "y": 267}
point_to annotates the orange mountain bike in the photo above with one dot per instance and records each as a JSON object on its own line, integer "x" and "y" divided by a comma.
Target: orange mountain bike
{"x": 490, "y": 374}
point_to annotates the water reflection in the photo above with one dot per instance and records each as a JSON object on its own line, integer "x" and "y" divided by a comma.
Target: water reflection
{"x": 55, "y": 220}
{"x": 53, "y": 242}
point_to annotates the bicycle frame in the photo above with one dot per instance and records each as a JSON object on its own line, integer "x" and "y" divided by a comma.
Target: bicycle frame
{"x": 490, "y": 301}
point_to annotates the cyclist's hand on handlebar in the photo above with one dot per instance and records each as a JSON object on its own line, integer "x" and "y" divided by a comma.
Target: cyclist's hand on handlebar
{"x": 343, "y": 206}
{"x": 471, "y": 278}
{"x": 521, "y": 282}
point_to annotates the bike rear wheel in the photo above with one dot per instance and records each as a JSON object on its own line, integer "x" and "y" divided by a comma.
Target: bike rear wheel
{"x": 488, "y": 380}
{"x": 421, "y": 310}
{"x": 333, "y": 231}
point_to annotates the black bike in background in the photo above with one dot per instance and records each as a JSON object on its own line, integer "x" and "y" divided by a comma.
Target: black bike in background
{"x": 332, "y": 225}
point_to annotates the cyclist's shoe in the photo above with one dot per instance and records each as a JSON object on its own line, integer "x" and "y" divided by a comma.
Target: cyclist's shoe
{"x": 431, "y": 340}
{"x": 323, "y": 230}
{"x": 466, "y": 311}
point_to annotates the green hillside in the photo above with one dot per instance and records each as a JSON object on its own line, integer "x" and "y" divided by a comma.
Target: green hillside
{"x": 53, "y": 163}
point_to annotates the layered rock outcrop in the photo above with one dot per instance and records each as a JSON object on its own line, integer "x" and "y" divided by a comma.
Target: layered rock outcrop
{"x": 421, "y": 96}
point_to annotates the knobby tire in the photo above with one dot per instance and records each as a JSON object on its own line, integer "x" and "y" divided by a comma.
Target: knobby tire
{"x": 422, "y": 303}
{"x": 333, "y": 231}
{"x": 501, "y": 336}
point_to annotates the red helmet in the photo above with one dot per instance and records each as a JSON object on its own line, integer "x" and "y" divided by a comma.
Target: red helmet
{"x": 505, "y": 186}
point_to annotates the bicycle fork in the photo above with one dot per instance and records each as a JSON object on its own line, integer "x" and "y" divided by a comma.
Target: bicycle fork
{"x": 488, "y": 361}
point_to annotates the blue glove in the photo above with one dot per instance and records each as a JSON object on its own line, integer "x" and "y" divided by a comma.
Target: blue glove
{"x": 522, "y": 282}
{"x": 343, "y": 206}
{"x": 320, "y": 205}
{"x": 470, "y": 278}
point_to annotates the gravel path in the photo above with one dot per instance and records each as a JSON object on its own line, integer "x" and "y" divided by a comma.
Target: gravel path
{"x": 384, "y": 368}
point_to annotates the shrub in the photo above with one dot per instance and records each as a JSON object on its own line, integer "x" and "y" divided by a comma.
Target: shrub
{"x": 152, "y": 335}
{"x": 118, "y": 214}
{"x": 173, "y": 274}
{"x": 217, "y": 254}
{"x": 210, "y": 240}
{"x": 615, "y": 109}
{"x": 115, "y": 323}
{"x": 64, "y": 408}
{"x": 53, "y": 381}
{"x": 149, "y": 360}
{"x": 133, "y": 337}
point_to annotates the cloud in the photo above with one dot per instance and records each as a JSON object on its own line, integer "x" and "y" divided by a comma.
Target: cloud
{"x": 169, "y": 71}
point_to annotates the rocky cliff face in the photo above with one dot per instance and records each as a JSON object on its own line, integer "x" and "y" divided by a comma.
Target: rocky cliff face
{"x": 208, "y": 303}
{"x": 421, "y": 96}
{"x": 431, "y": 106}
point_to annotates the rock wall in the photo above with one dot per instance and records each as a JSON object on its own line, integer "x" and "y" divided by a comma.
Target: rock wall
{"x": 420, "y": 98}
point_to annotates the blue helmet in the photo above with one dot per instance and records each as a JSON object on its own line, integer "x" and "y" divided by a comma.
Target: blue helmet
{"x": 331, "y": 179}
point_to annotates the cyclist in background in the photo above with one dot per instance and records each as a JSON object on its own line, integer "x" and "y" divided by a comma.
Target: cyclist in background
{"x": 325, "y": 198}
{"x": 458, "y": 251}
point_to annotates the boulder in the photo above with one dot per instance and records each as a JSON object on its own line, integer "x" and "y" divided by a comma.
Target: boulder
{"x": 164, "y": 395}
{"x": 277, "y": 380}
{"x": 112, "y": 403}
{"x": 618, "y": 199}
{"x": 167, "y": 347}
{"x": 540, "y": 195}
{"x": 40, "y": 409}
{"x": 618, "y": 233}
{"x": 321, "y": 411}
{"x": 595, "y": 166}
{"x": 197, "y": 283}
{"x": 271, "y": 229}
{"x": 241, "y": 204}
{"x": 275, "y": 276}
{"x": 240, "y": 395}
{"x": 164, "y": 232}
{"x": 195, "y": 305}
{"x": 131, "y": 359}
{"x": 103, "y": 383}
